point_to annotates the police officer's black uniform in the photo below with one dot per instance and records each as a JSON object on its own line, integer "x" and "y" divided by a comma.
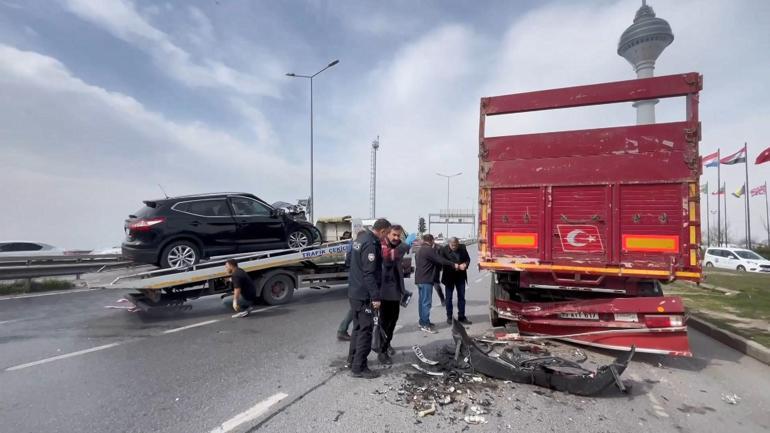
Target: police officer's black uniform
{"x": 365, "y": 280}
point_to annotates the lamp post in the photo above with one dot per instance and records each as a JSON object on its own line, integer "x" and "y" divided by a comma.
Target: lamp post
{"x": 448, "y": 177}
{"x": 310, "y": 77}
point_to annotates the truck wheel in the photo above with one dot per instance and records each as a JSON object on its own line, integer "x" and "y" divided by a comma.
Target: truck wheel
{"x": 299, "y": 238}
{"x": 494, "y": 319}
{"x": 179, "y": 254}
{"x": 278, "y": 290}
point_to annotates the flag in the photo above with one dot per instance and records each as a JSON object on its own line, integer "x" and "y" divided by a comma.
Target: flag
{"x": 736, "y": 158}
{"x": 720, "y": 192}
{"x": 711, "y": 160}
{"x": 763, "y": 157}
{"x": 740, "y": 192}
{"x": 704, "y": 189}
{"x": 760, "y": 190}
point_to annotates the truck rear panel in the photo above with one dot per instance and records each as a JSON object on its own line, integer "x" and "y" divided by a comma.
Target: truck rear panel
{"x": 621, "y": 201}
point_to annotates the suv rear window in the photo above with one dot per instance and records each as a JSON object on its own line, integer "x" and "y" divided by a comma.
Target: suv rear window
{"x": 209, "y": 208}
{"x": 20, "y": 246}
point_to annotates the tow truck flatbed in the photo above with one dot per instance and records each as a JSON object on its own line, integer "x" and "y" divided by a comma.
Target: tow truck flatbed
{"x": 276, "y": 275}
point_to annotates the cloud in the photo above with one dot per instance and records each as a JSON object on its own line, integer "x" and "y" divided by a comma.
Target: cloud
{"x": 122, "y": 20}
{"x": 75, "y": 143}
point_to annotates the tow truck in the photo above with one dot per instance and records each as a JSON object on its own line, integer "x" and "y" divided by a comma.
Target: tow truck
{"x": 276, "y": 274}
{"x": 580, "y": 228}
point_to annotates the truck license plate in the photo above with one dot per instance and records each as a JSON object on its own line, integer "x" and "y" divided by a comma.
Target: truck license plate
{"x": 579, "y": 316}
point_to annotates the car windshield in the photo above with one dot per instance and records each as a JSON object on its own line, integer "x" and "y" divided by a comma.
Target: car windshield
{"x": 745, "y": 254}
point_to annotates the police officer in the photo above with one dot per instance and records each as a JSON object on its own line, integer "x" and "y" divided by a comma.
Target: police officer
{"x": 365, "y": 280}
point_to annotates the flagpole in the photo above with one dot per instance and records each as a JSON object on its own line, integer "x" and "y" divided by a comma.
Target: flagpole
{"x": 748, "y": 208}
{"x": 724, "y": 188}
{"x": 767, "y": 215}
{"x": 719, "y": 203}
{"x": 708, "y": 216}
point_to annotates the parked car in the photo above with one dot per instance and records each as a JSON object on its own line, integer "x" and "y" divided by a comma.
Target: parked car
{"x": 28, "y": 248}
{"x": 737, "y": 259}
{"x": 180, "y": 231}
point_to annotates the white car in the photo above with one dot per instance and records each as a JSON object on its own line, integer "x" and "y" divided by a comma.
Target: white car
{"x": 737, "y": 259}
{"x": 28, "y": 248}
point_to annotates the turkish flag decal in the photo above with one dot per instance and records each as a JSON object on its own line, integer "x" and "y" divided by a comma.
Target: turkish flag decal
{"x": 580, "y": 238}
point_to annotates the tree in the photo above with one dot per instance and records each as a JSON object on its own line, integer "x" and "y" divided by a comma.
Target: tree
{"x": 421, "y": 225}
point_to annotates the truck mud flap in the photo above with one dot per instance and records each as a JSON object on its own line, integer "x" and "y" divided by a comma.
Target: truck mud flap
{"x": 550, "y": 372}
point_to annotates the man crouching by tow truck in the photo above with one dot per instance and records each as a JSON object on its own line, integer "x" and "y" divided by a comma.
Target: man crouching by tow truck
{"x": 365, "y": 282}
{"x": 244, "y": 295}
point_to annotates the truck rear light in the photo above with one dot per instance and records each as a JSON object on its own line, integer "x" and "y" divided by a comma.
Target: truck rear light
{"x": 144, "y": 225}
{"x": 663, "y": 320}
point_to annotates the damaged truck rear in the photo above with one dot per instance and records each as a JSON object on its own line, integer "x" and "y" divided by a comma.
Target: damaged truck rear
{"x": 581, "y": 227}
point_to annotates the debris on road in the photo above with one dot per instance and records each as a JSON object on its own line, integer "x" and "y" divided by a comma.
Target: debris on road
{"x": 425, "y": 412}
{"x": 475, "y": 419}
{"x": 731, "y": 398}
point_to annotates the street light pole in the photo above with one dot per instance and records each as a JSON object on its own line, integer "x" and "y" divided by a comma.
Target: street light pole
{"x": 448, "y": 177}
{"x": 311, "y": 205}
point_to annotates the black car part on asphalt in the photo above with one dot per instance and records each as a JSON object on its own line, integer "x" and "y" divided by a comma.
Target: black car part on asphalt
{"x": 546, "y": 371}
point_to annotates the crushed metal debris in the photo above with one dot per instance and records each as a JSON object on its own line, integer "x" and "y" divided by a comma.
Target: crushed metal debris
{"x": 462, "y": 381}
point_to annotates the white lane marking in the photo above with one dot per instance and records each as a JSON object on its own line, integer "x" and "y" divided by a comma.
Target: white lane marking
{"x": 108, "y": 346}
{"x": 194, "y": 325}
{"x": 478, "y": 280}
{"x": 3, "y": 322}
{"x": 397, "y": 328}
{"x": 66, "y": 355}
{"x": 58, "y": 292}
{"x": 250, "y": 414}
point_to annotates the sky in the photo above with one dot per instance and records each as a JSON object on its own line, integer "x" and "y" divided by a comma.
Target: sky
{"x": 102, "y": 101}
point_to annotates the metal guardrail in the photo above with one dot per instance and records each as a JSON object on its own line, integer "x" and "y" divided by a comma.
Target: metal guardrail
{"x": 22, "y": 267}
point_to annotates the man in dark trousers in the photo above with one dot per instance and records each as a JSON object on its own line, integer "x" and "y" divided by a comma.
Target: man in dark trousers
{"x": 365, "y": 281}
{"x": 455, "y": 278}
{"x": 427, "y": 261}
{"x": 392, "y": 289}
{"x": 244, "y": 295}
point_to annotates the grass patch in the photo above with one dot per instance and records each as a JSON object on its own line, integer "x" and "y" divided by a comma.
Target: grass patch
{"x": 24, "y": 286}
{"x": 746, "y": 313}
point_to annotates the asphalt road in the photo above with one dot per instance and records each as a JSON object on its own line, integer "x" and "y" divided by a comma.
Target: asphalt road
{"x": 68, "y": 364}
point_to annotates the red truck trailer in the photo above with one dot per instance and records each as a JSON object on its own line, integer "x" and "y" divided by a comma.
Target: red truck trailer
{"x": 581, "y": 227}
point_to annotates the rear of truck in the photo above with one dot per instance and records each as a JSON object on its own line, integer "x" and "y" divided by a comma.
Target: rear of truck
{"x": 581, "y": 227}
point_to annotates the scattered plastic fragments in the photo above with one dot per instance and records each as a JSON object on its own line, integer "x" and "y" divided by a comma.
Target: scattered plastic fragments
{"x": 425, "y": 412}
{"x": 475, "y": 419}
{"x": 422, "y": 370}
{"x": 418, "y": 352}
{"x": 731, "y": 398}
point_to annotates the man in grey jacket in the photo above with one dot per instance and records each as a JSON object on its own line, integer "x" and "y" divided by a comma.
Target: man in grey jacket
{"x": 427, "y": 262}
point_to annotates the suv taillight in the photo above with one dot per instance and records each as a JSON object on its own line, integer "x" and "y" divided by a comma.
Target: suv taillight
{"x": 144, "y": 225}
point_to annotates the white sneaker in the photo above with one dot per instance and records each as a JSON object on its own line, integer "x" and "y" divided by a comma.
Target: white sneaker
{"x": 428, "y": 329}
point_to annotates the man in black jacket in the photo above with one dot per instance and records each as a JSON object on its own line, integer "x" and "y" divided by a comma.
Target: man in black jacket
{"x": 365, "y": 282}
{"x": 427, "y": 261}
{"x": 392, "y": 289}
{"x": 455, "y": 278}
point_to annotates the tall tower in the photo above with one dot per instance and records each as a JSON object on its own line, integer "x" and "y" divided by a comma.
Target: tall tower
{"x": 641, "y": 44}
{"x": 373, "y": 179}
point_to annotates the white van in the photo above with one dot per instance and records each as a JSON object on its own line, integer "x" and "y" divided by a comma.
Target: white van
{"x": 737, "y": 259}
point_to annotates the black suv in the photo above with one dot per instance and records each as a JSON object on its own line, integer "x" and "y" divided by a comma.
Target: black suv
{"x": 179, "y": 231}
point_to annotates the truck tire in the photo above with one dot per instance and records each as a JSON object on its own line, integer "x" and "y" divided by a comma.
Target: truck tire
{"x": 278, "y": 289}
{"x": 494, "y": 319}
{"x": 179, "y": 254}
